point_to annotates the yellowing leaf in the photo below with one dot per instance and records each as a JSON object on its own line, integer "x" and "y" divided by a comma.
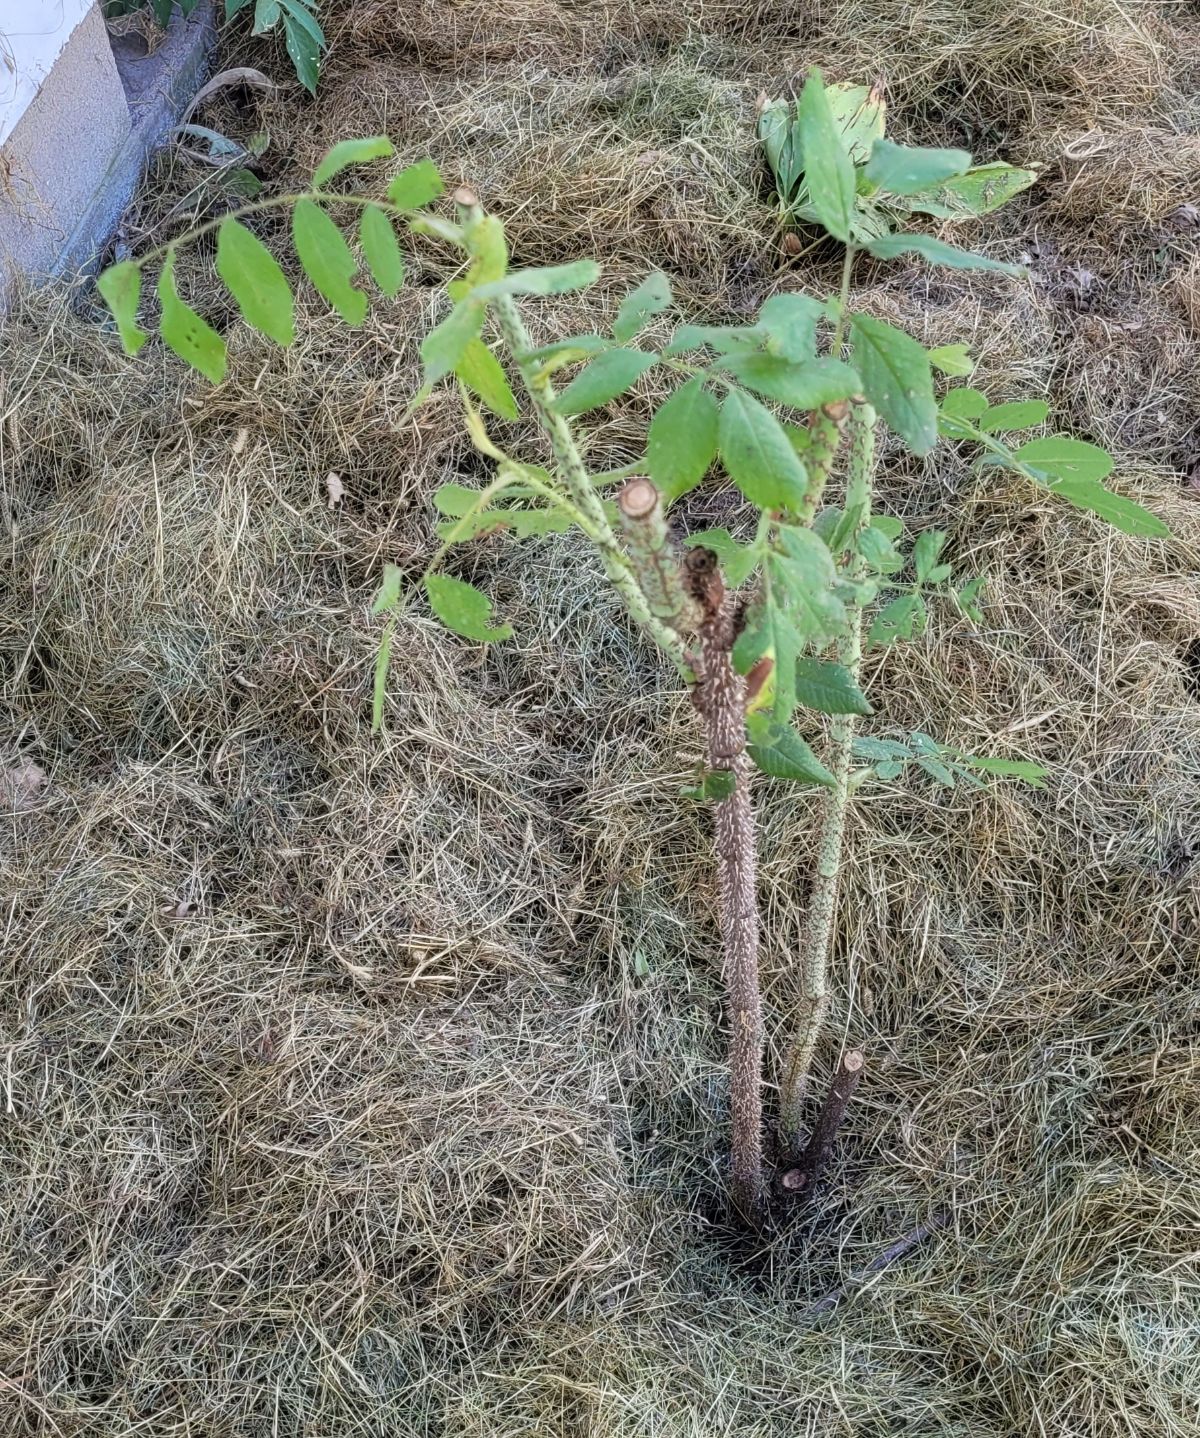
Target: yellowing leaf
{"x": 483, "y": 374}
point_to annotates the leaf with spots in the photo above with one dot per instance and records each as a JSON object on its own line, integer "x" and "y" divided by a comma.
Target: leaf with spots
{"x": 192, "y": 339}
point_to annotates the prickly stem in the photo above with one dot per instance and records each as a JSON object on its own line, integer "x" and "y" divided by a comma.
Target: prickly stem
{"x": 818, "y": 930}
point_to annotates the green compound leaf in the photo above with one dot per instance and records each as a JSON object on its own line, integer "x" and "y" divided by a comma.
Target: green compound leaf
{"x": 1123, "y": 514}
{"x": 937, "y": 252}
{"x": 898, "y": 620}
{"x": 781, "y": 753}
{"x": 758, "y": 455}
{"x": 1020, "y": 414}
{"x": 545, "y": 280}
{"x": 609, "y": 375}
{"x": 304, "y": 40}
{"x": 568, "y": 351}
{"x": 381, "y": 249}
{"x": 511, "y": 520}
{"x": 967, "y": 598}
{"x": 897, "y": 379}
{"x": 952, "y": 360}
{"x": 379, "y": 687}
{"x": 483, "y": 374}
{"x": 807, "y": 385}
{"x": 470, "y": 516}
{"x": 462, "y": 608}
{"x": 937, "y": 769}
{"x": 877, "y": 751}
{"x": 327, "y": 260}
{"x": 789, "y": 323}
{"x": 416, "y": 187}
{"x": 121, "y": 286}
{"x": 930, "y": 543}
{"x": 980, "y": 191}
{"x": 682, "y": 442}
{"x": 388, "y": 595}
{"x": 724, "y": 339}
{"x": 256, "y": 282}
{"x": 907, "y": 169}
{"x": 444, "y": 346}
{"x": 878, "y": 551}
{"x": 195, "y": 342}
{"x": 828, "y": 688}
{"x": 1057, "y": 457}
{"x": 1073, "y": 470}
{"x": 828, "y": 169}
{"x": 352, "y": 152}
{"x": 650, "y": 298}
{"x": 1033, "y": 774}
{"x": 964, "y": 403}
{"x": 804, "y": 581}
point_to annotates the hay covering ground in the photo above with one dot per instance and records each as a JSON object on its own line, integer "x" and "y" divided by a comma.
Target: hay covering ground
{"x": 358, "y": 1086}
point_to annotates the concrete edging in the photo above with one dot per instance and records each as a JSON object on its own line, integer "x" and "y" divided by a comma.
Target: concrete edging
{"x": 71, "y": 164}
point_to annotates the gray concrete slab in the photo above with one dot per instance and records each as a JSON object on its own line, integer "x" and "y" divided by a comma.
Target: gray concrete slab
{"x": 71, "y": 166}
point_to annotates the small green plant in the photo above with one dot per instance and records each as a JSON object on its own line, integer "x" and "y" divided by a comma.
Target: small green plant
{"x": 302, "y": 33}
{"x": 892, "y": 182}
{"x": 759, "y": 624}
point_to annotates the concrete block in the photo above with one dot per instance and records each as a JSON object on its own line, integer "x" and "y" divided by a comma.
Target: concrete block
{"x": 55, "y": 159}
{"x": 70, "y": 165}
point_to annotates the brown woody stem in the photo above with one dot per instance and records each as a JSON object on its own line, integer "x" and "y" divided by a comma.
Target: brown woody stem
{"x": 802, "y": 1180}
{"x": 720, "y": 697}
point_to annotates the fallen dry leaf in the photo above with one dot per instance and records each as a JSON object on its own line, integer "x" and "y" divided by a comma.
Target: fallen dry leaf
{"x": 20, "y": 785}
{"x": 337, "y": 491}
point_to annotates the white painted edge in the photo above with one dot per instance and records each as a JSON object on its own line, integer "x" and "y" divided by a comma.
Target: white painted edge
{"x": 33, "y": 34}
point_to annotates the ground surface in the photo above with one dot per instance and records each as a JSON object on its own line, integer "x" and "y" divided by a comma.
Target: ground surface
{"x": 359, "y": 1086}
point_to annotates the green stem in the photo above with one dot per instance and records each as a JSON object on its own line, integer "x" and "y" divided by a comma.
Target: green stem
{"x": 839, "y": 328}
{"x": 578, "y": 485}
{"x": 826, "y": 424}
{"x": 276, "y": 202}
{"x": 818, "y": 930}
{"x": 825, "y": 434}
{"x": 654, "y": 558}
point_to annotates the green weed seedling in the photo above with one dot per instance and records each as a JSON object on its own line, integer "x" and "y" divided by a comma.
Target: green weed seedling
{"x": 757, "y": 627}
